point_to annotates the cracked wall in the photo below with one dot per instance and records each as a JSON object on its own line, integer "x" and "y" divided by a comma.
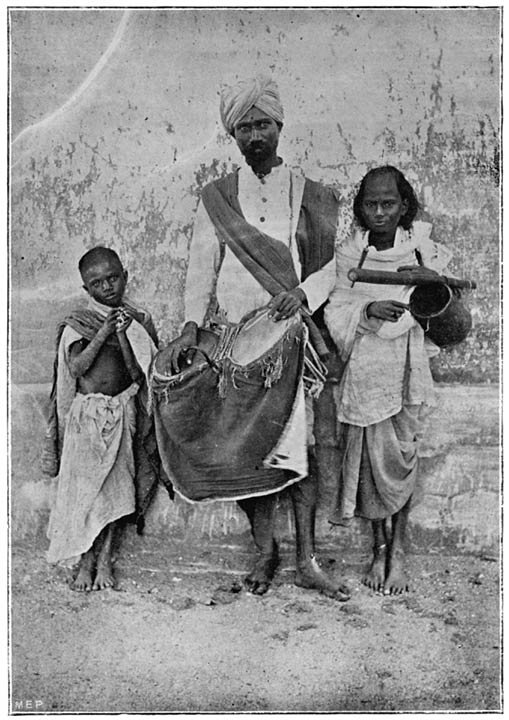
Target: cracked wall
{"x": 115, "y": 130}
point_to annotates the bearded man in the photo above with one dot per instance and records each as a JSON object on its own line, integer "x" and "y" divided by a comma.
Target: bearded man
{"x": 264, "y": 236}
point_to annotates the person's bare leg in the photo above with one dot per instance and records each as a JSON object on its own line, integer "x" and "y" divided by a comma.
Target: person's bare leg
{"x": 104, "y": 569}
{"x": 261, "y": 512}
{"x": 375, "y": 576}
{"x": 397, "y": 580}
{"x": 83, "y": 581}
{"x": 309, "y": 574}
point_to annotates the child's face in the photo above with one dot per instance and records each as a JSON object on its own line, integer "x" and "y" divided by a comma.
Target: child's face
{"x": 105, "y": 281}
{"x": 382, "y": 205}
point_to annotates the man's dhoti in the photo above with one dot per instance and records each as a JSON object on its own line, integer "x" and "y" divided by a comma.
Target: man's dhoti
{"x": 95, "y": 485}
{"x": 378, "y": 473}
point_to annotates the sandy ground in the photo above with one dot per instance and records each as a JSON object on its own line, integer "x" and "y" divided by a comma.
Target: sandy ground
{"x": 181, "y": 635}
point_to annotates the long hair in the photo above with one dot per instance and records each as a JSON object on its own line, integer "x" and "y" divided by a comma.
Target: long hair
{"x": 405, "y": 190}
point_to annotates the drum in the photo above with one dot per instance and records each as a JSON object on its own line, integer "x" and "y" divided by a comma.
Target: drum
{"x": 441, "y": 314}
{"x": 219, "y": 418}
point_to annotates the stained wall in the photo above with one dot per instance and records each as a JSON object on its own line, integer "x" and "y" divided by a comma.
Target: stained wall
{"x": 115, "y": 130}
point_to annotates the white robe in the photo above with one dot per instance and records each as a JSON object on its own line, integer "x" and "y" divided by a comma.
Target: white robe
{"x": 272, "y": 205}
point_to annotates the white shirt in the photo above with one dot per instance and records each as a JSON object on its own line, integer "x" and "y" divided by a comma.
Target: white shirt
{"x": 272, "y": 205}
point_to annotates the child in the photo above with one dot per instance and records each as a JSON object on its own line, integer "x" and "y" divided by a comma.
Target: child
{"x": 104, "y": 353}
{"x": 387, "y": 381}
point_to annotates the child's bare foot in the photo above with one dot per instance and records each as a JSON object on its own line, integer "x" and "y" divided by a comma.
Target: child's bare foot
{"x": 375, "y": 576}
{"x": 83, "y": 580}
{"x": 258, "y": 580}
{"x": 397, "y": 579}
{"x": 309, "y": 574}
{"x": 104, "y": 577}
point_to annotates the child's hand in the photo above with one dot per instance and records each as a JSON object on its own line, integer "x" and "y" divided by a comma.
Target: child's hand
{"x": 389, "y": 310}
{"x": 109, "y": 325}
{"x": 419, "y": 271}
{"x": 124, "y": 319}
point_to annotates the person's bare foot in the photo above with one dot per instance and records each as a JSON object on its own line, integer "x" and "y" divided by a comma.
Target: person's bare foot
{"x": 375, "y": 576}
{"x": 258, "y": 580}
{"x": 104, "y": 577}
{"x": 397, "y": 579}
{"x": 310, "y": 575}
{"x": 83, "y": 580}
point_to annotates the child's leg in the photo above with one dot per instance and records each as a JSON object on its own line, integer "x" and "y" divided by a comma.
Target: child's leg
{"x": 83, "y": 581}
{"x": 375, "y": 577}
{"x": 397, "y": 580}
{"x": 104, "y": 570}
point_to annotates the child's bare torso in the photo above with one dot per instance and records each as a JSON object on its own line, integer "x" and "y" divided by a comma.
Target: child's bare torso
{"x": 108, "y": 373}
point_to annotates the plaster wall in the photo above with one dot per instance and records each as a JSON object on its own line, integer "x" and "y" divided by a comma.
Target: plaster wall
{"x": 115, "y": 129}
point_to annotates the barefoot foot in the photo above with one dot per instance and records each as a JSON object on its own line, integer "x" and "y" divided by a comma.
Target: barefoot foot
{"x": 258, "y": 580}
{"x": 397, "y": 579}
{"x": 375, "y": 576}
{"x": 104, "y": 577}
{"x": 310, "y": 575}
{"x": 83, "y": 581}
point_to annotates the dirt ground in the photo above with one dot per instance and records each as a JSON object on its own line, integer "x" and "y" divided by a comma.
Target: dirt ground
{"x": 181, "y": 635}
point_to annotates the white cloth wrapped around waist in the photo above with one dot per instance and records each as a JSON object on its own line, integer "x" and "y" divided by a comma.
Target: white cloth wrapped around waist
{"x": 95, "y": 485}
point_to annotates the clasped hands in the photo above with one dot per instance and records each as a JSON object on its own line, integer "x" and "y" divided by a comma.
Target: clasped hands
{"x": 392, "y": 310}
{"x": 117, "y": 320}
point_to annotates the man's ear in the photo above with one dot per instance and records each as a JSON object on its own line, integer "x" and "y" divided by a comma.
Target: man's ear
{"x": 85, "y": 289}
{"x": 126, "y": 276}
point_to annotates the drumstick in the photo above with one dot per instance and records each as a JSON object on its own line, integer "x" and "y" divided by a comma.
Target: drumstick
{"x": 384, "y": 277}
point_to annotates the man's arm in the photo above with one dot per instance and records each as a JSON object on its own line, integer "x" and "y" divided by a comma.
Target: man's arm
{"x": 80, "y": 361}
{"x": 319, "y": 285}
{"x": 204, "y": 261}
{"x": 309, "y": 295}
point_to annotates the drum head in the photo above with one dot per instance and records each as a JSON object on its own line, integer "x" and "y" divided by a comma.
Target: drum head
{"x": 258, "y": 336}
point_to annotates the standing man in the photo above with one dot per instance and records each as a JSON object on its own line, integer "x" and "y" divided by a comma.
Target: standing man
{"x": 241, "y": 220}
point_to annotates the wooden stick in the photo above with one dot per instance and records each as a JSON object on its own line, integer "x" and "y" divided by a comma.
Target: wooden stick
{"x": 406, "y": 277}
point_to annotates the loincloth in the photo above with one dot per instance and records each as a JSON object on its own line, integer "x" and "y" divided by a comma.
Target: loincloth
{"x": 379, "y": 468}
{"x": 95, "y": 484}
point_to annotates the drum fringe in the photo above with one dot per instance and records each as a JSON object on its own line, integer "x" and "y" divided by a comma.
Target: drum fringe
{"x": 272, "y": 369}
{"x": 315, "y": 373}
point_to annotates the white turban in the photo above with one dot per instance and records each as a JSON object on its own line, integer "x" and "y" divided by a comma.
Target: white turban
{"x": 261, "y": 92}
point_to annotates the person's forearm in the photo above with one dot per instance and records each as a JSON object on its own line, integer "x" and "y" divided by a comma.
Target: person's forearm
{"x": 132, "y": 366}
{"x": 81, "y": 363}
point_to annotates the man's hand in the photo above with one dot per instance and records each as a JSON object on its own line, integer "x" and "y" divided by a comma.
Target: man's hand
{"x": 174, "y": 350}
{"x": 286, "y": 304}
{"x": 390, "y": 310}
